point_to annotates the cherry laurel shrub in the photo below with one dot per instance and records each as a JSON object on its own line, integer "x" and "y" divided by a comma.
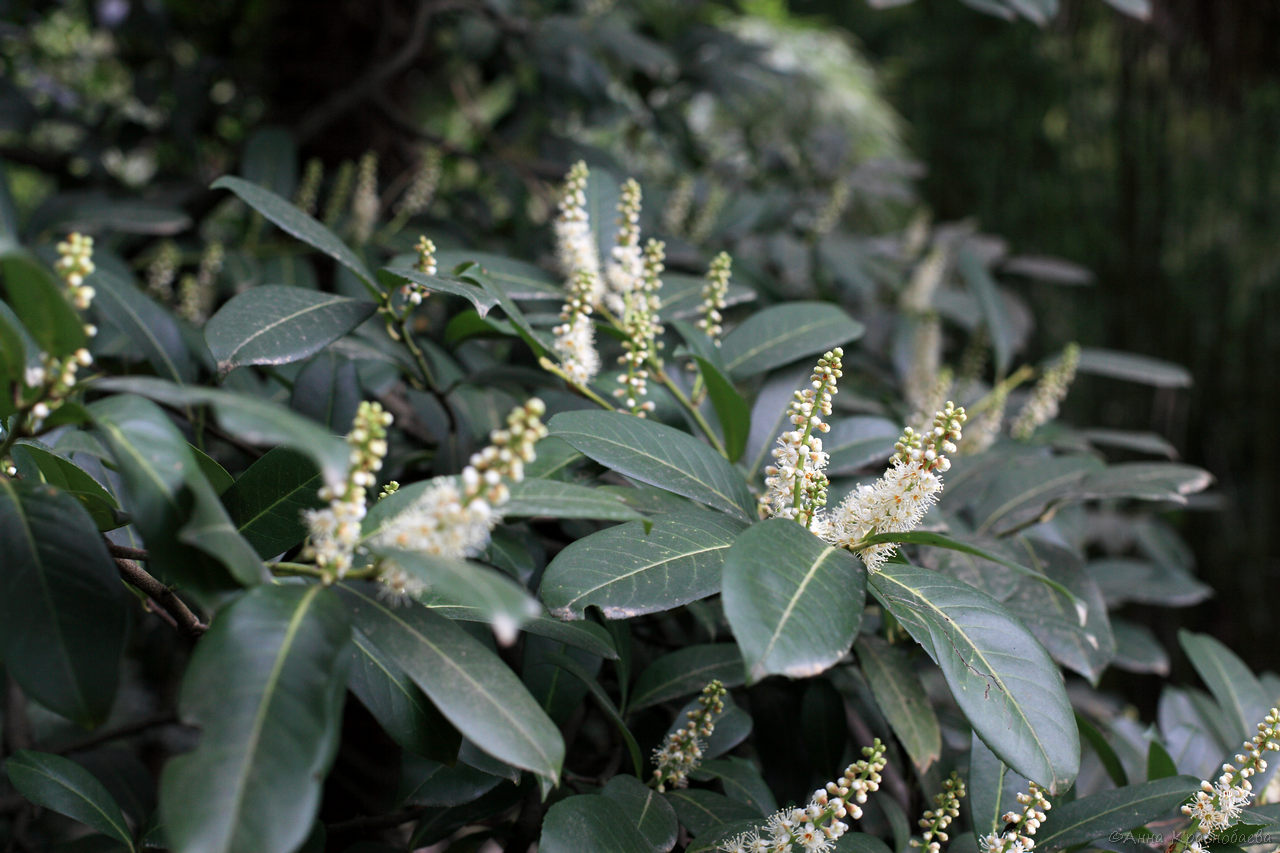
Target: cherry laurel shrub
{"x": 581, "y": 552}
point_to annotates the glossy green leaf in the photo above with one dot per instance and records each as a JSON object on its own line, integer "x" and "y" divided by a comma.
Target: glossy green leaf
{"x": 446, "y": 284}
{"x": 701, "y": 811}
{"x": 254, "y": 781}
{"x": 731, "y": 409}
{"x": 1237, "y": 690}
{"x": 1024, "y": 487}
{"x": 327, "y": 390}
{"x": 854, "y": 443}
{"x": 1143, "y": 442}
{"x": 255, "y": 421}
{"x": 627, "y": 572}
{"x": 270, "y": 159}
{"x": 278, "y": 324}
{"x": 902, "y": 699}
{"x": 267, "y": 502}
{"x": 1048, "y": 269}
{"x": 1133, "y": 368}
{"x": 94, "y": 211}
{"x": 496, "y": 598}
{"x": 121, "y": 305}
{"x": 741, "y": 781}
{"x": 39, "y": 464}
{"x": 794, "y": 602}
{"x": 293, "y": 221}
{"x": 533, "y": 498}
{"x": 686, "y": 671}
{"x": 682, "y": 296}
{"x": 13, "y": 358}
{"x": 1105, "y": 751}
{"x": 1117, "y": 810}
{"x": 1136, "y": 8}
{"x": 646, "y": 810}
{"x": 1122, "y": 580}
{"x": 588, "y": 679}
{"x": 398, "y": 705}
{"x": 540, "y": 342}
{"x": 170, "y": 499}
{"x": 1146, "y": 481}
{"x": 1159, "y": 763}
{"x": 37, "y": 297}
{"x": 992, "y": 788}
{"x": 65, "y": 787}
{"x": 769, "y": 414}
{"x": 590, "y": 822}
{"x": 1137, "y": 649}
{"x": 656, "y": 454}
{"x": 424, "y": 782}
{"x": 781, "y": 334}
{"x": 558, "y": 691}
{"x": 63, "y": 622}
{"x": 584, "y": 635}
{"x": 470, "y": 685}
{"x": 520, "y": 279}
{"x": 1002, "y": 678}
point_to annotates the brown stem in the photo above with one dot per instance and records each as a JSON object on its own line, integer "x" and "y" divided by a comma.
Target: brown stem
{"x": 187, "y": 622}
{"x": 127, "y": 553}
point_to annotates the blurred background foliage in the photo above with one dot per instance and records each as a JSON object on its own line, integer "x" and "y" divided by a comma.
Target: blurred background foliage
{"x": 1140, "y": 149}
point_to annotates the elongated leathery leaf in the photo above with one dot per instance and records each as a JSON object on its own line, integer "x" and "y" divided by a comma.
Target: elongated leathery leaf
{"x": 794, "y": 601}
{"x": 60, "y": 784}
{"x": 902, "y": 698}
{"x": 62, "y": 621}
{"x": 470, "y": 685}
{"x": 1002, "y": 678}
{"x": 590, "y": 822}
{"x": 1114, "y": 811}
{"x": 783, "y": 333}
{"x": 294, "y": 221}
{"x": 659, "y": 455}
{"x": 278, "y": 324}
{"x": 627, "y": 572}
{"x": 265, "y": 686}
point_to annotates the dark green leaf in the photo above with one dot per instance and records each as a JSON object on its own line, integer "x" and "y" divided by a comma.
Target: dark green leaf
{"x": 38, "y": 299}
{"x": 520, "y": 280}
{"x": 682, "y": 296}
{"x": 646, "y": 810}
{"x": 424, "y": 782}
{"x": 1105, "y": 752}
{"x": 1146, "y": 481}
{"x": 63, "y": 624}
{"x": 554, "y": 499}
{"x": 67, "y": 788}
{"x": 121, "y": 305}
{"x": 1137, "y": 649}
{"x": 256, "y": 421}
{"x": 902, "y": 700}
{"x": 470, "y": 685}
{"x": 266, "y": 743}
{"x": 270, "y": 160}
{"x": 588, "y": 678}
{"x": 398, "y": 705}
{"x": 13, "y": 358}
{"x": 1237, "y": 690}
{"x": 327, "y": 390}
{"x": 627, "y": 572}
{"x": 794, "y": 602}
{"x": 278, "y": 324}
{"x": 446, "y": 284}
{"x": 783, "y": 333}
{"x": 1002, "y": 678}
{"x": 686, "y": 671}
{"x": 702, "y": 811}
{"x": 658, "y": 455}
{"x": 1116, "y": 810}
{"x": 731, "y": 409}
{"x": 41, "y": 465}
{"x": 294, "y": 221}
{"x": 9, "y": 235}
{"x": 93, "y": 211}
{"x": 590, "y": 822}
{"x": 994, "y": 315}
{"x": 741, "y": 781}
{"x": 1123, "y": 580}
{"x": 494, "y": 597}
{"x": 267, "y": 502}
{"x": 854, "y": 443}
{"x": 1159, "y": 764}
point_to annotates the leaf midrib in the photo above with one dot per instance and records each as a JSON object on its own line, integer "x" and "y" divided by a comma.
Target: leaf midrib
{"x": 768, "y": 343}
{"x": 826, "y": 554}
{"x": 228, "y": 362}
{"x": 123, "y": 833}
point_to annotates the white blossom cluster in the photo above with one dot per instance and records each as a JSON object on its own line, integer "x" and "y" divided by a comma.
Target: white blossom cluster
{"x": 576, "y": 249}
{"x": 681, "y": 752}
{"x": 576, "y": 335}
{"x": 935, "y": 821}
{"x": 625, "y": 270}
{"x": 1018, "y": 839}
{"x": 412, "y": 291}
{"x": 816, "y": 827}
{"x": 334, "y": 531}
{"x": 454, "y": 516}
{"x": 642, "y": 326}
{"x": 715, "y": 296}
{"x": 1048, "y": 394}
{"x": 1217, "y": 804}
{"x": 795, "y": 485}
{"x": 898, "y": 501}
{"x": 74, "y": 265}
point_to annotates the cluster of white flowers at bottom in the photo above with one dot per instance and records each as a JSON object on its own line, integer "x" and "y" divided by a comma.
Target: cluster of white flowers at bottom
{"x": 816, "y": 827}
{"x": 576, "y": 335}
{"x": 898, "y": 501}
{"x": 1217, "y": 805}
{"x": 1018, "y": 839}
{"x": 334, "y": 531}
{"x": 453, "y": 517}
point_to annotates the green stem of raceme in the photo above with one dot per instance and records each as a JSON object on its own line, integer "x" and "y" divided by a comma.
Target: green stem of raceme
{"x": 551, "y": 367}
{"x": 282, "y": 567}
{"x": 398, "y": 330}
{"x": 1013, "y": 380}
{"x": 692, "y": 410}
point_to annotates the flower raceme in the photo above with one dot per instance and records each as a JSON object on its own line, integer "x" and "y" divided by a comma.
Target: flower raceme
{"x": 681, "y": 752}
{"x": 1021, "y": 825}
{"x": 795, "y": 485}
{"x": 935, "y": 821}
{"x": 816, "y": 827}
